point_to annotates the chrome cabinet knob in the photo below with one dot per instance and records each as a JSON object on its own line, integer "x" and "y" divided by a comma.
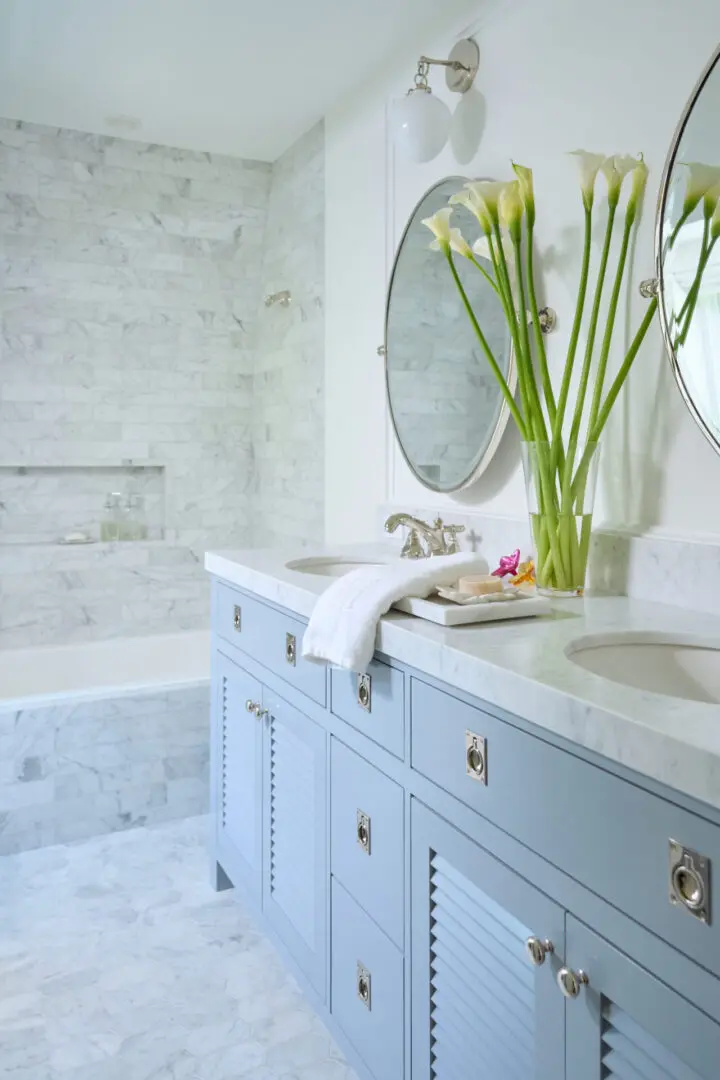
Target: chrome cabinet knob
{"x": 251, "y": 706}
{"x": 538, "y": 950}
{"x": 571, "y": 982}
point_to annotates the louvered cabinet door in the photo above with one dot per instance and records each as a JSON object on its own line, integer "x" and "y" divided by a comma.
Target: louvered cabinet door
{"x": 481, "y": 1010}
{"x": 295, "y": 879}
{"x": 625, "y": 1024}
{"x": 238, "y": 780}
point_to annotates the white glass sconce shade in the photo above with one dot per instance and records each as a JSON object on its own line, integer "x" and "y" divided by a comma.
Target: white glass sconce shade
{"x": 421, "y": 125}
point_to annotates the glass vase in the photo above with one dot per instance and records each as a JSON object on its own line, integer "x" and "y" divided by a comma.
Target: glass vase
{"x": 560, "y": 487}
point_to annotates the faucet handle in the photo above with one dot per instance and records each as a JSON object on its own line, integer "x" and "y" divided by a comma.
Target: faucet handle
{"x": 451, "y": 534}
{"x": 412, "y": 548}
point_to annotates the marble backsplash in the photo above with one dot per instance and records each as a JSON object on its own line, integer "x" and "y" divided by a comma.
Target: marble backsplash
{"x": 668, "y": 570}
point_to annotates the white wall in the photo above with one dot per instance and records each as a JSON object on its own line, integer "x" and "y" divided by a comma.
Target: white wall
{"x": 555, "y": 75}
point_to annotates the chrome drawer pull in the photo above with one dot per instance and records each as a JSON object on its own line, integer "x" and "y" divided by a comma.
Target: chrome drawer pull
{"x": 363, "y": 831}
{"x": 237, "y": 617}
{"x": 364, "y": 986}
{"x": 364, "y": 692}
{"x": 571, "y": 982}
{"x": 538, "y": 950}
{"x": 476, "y": 757}
{"x": 290, "y": 649}
{"x": 256, "y": 708}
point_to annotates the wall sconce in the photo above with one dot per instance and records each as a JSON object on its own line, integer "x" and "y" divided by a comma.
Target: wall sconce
{"x": 421, "y": 122}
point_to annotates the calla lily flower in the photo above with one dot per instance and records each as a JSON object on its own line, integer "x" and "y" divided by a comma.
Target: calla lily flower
{"x": 458, "y": 243}
{"x": 615, "y": 169}
{"x": 702, "y": 177}
{"x": 589, "y": 166}
{"x": 525, "y": 180}
{"x": 488, "y": 192}
{"x": 510, "y": 208}
{"x": 476, "y": 207}
{"x": 710, "y": 200}
{"x": 639, "y": 182}
{"x": 439, "y": 225}
{"x": 481, "y": 247}
{"x": 715, "y": 224}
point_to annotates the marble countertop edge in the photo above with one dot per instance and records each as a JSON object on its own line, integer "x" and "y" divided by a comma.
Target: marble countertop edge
{"x": 521, "y": 666}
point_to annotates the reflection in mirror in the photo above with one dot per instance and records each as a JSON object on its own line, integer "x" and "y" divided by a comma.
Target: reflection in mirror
{"x": 689, "y": 255}
{"x": 445, "y": 403}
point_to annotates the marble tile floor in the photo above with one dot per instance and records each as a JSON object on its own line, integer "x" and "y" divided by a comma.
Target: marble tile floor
{"x": 119, "y": 962}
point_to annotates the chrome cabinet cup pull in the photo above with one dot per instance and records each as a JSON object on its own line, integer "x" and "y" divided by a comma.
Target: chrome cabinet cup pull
{"x": 364, "y": 986}
{"x": 291, "y": 649}
{"x": 538, "y": 950}
{"x": 237, "y": 617}
{"x": 571, "y": 982}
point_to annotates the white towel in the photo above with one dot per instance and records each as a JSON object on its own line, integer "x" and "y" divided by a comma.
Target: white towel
{"x": 344, "y": 622}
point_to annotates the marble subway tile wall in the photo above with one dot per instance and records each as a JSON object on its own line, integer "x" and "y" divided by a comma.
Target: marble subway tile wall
{"x": 82, "y": 768}
{"x": 131, "y": 289}
{"x": 288, "y": 384}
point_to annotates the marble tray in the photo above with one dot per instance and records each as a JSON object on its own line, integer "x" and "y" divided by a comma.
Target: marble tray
{"x": 445, "y": 612}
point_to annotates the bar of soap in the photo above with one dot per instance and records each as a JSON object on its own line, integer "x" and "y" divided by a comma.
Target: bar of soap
{"x": 480, "y": 584}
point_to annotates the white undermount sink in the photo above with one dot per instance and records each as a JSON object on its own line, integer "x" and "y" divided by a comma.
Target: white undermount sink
{"x": 330, "y": 566}
{"x": 664, "y": 664}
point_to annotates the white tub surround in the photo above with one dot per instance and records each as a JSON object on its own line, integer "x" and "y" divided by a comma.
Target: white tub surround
{"x": 522, "y": 667}
{"x": 100, "y": 737}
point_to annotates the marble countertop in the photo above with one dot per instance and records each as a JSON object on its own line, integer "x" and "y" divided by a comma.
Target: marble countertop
{"x": 522, "y": 666}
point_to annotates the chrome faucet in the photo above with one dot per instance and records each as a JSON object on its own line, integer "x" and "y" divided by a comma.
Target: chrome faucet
{"x": 440, "y": 539}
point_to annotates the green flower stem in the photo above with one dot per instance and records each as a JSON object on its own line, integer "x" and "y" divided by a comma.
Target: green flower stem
{"x": 509, "y": 399}
{"x": 508, "y": 303}
{"x": 682, "y": 338}
{"x": 483, "y": 271}
{"x": 700, "y": 269}
{"x": 572, "y": 349}
{"x": 683, "y": 218}
{"x": 539, "y": 339}
{"x": 539, "y": 419}
{"x": 624, "y": 371}
{"x": 610, "y": 320}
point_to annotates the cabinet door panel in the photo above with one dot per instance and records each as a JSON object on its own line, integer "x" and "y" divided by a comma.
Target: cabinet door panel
{"x": 479, "y": 1006}
{"x": 239, "y": 779}
{"x": 626, "y": 1024}
{"x": 295, "y": 880}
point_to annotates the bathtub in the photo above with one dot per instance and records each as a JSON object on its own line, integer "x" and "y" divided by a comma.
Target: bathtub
{"x": 102, "y": 736}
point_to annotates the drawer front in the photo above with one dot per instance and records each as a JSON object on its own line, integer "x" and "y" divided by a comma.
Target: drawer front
{"x": 373, "y": 702}
{"x": 367, "y": 987}
{"x": 271, "y": 637}
{"x": 608, "y": 834}
{"x": 366, "y": 847}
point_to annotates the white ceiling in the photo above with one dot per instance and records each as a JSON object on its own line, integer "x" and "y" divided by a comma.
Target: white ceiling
{"x": 242, "y": 77}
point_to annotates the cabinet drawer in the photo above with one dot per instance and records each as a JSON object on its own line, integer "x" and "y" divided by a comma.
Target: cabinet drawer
{"x": 373, "y": 702}
{"x": 271, "y": 637}
{"x": 366, "y": 845}
{"x": 609, "y": 834}
{"x": 367, "y": 998}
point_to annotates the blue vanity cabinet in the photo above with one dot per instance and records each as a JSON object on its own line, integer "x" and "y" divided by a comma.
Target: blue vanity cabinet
{"x": 480, "y": 1006}
{"x": 238, "y": 754}
{"x": 626, "y": 1024}
{"x": 295, "y": 877}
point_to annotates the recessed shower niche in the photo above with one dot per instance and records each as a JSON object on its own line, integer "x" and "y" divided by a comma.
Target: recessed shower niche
{"x": 49, "y": 504}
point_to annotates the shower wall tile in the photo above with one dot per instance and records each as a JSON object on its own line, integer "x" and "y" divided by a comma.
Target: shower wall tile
{"x": 130, "y": 297}
{"x": 288, "y": 430}
{"x": 79, "y": 769}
